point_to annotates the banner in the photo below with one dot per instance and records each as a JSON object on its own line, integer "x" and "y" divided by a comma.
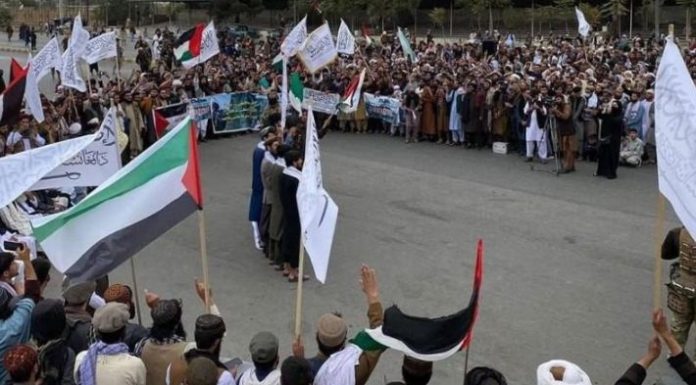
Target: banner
{"x": 295, "y": 38}
{"x": 200, "y": 112}
{"x": 383, "y": 108}
{"x": 18, "y": 172}
{"x": 318, "y": 50}
{"x": 345, "y": 41}
{"x": 100, "y": 48}
{"x": 91, "y": 166}
{"x": 675, "y": 135}
{"x": 320, "y": 101}
{"x": 236, "y": 112}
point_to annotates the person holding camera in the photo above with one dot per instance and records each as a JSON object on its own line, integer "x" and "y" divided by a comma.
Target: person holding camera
{"x": 562, "y": 111}
{"x": 535, "y": 120}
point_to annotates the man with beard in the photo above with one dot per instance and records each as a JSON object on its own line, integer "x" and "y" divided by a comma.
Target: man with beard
{"x": 210, "y": 330}
{"x": 167, "y": 340}
{"x": 135, "y": 126}
{"x": 288, "y": 183}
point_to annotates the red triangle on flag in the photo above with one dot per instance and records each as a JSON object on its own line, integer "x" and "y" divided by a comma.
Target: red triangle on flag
{"x": 16, "y": 70}
{"x": 192, "y": 176}
{"x": 161, "y": 123}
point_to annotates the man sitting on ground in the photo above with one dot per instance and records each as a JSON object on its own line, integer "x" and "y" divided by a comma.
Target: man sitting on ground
{"x": 631, "y": 151}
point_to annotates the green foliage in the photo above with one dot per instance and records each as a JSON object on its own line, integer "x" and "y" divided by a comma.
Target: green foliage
{"x": 691, "y": 4}
{"x": 592, "y": 14}
{"x": 614, "y": 9}
{"x": 438, "y": 16}
{"x": 226, "y": 8}
{"x": 5, "y": 17}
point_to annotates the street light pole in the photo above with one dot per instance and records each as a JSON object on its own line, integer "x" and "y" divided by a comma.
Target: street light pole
{"x": 656, "y": 3}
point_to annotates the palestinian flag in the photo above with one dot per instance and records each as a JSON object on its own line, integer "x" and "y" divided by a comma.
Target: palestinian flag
{"x": 11, "y": 99}
{"x": 296, "y": 94}
{"x": 429, "y": 339}
{"x": 167, "y": 117}
{"x": 16, "y": 70}
{"x": 187, "y": 47}
{"x": 351, "y": 97}
{"x": 142, "y": 201}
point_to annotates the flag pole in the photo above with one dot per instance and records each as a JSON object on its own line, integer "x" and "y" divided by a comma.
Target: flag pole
{"x": 136, "y": 292}
{"x": 204, "y": 258}
{"x": 659, "y": 230}
{"x": 298, "y": 302}
{"x": 466, "y": 361}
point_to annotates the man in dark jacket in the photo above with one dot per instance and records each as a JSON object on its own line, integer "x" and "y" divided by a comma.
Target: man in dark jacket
{"x": 288, "y": 183}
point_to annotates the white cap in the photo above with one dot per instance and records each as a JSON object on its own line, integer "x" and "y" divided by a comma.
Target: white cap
{"x": 74, "y": 129}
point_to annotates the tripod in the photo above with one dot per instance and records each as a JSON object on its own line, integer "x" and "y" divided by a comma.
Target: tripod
{"x": 551, "y": 127}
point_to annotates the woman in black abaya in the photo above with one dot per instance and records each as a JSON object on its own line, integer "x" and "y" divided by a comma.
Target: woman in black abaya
{"x": 611, "y": 116}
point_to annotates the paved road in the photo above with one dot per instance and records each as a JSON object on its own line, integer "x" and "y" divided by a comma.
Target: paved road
{"x": 568, "y": 259}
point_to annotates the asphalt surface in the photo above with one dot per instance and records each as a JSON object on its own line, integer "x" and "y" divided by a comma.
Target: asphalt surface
{"x": 568, "y": 263}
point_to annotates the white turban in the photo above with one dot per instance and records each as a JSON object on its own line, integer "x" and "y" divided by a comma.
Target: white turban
{"x": 74, "y": 129}
{"x": 573, "y": 375}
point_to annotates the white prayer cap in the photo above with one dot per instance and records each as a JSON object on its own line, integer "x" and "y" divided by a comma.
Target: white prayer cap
{"x": 93, "y": 121}
{"x": 177, "y": 83}
{"x": 74, "y": 129}
{"x": 572, "y": 374}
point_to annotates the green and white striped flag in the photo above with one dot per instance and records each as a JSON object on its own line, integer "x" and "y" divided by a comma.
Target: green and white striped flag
{"x": 142, "y": 201}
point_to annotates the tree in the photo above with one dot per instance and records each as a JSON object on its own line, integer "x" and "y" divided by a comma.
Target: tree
{"x": 475, "y": 7}
{"x": 5, "y": 17}
{"x": 689, "y": 5}
{"x": 615, "y": 10}
{"x": 592, "y": 14}
{"x": 566, "y": 9}
{"x": 438, "y": 17}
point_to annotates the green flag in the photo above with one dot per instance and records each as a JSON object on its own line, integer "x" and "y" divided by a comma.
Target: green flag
{"x": 296, "y": 94}
{"x": 406, "y": 47}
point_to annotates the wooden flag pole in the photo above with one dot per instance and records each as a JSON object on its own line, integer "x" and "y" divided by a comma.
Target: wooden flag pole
{"x": 298, "y": 303}
{"x": 136, "y": 292}
{"x": 204, "y": 258}
{"x": 659, "y": 229}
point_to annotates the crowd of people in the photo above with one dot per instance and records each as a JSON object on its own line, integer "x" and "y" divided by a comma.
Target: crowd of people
{"x": 88, "y": 337}
{"x": 550, "y": 96}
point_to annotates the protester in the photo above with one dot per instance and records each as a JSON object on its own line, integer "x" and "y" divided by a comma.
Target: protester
{"x": 166, "y": 341}
{"x": 296, "y": 371}
{"x": 107, "y": 361}
{"x": 631, "y": 152}
{"x": 201, "y": 371}
{"x": 56, "y": 359}
{"x": 123, "y": 294}
{"x": 210, "y": 330}
{"x": 20, "y": 362}
{"x": 287, "y": 187}
{"x": 15, "y": 317}
{"x": 264, "y": 353}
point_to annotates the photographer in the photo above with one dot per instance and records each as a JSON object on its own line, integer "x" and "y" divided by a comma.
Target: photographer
{"x": 535, "y": 120}
{"x": 562, "y": 111}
